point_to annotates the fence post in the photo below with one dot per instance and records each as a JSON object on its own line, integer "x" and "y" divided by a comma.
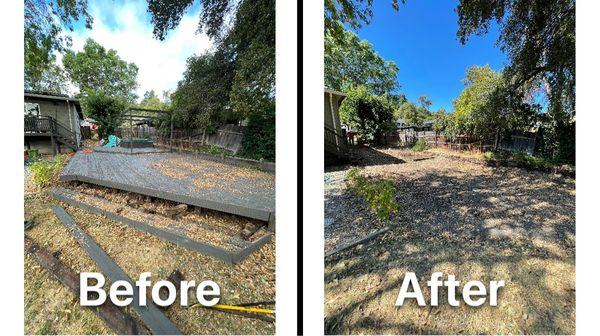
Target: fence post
{"x": 171, "y": 134}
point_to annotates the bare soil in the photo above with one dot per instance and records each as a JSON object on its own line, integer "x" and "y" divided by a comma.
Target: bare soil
{"x": 460, "y": 217}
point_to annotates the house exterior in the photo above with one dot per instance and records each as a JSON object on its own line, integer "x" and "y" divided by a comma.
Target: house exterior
{"x": 52, "y": 122}
{"x": 336, "y": 147}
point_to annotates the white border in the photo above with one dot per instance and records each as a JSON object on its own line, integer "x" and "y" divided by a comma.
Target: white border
{"x": 588, "y": 121}
{"x": 11, "y": 170}
{"x": 313, "y": 168}
{"x": 286, "y": 168}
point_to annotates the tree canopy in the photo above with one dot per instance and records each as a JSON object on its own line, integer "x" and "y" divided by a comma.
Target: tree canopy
{"x": 44, "y": 25}
{"x": 98, "y": 69}
{"x": 150, "y": 100}
{"x": 354, "y": 13}
{"x": 539, "y": 38}
{"x": 351, "y": 61}
{"x": 236, "y": 80}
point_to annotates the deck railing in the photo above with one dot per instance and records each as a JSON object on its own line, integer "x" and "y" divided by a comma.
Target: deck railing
{"x": 335, "y": 141}
{"x": 49, "y": 125}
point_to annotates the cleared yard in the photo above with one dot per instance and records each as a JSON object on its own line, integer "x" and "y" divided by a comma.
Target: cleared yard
{"x": 460, "y": 217}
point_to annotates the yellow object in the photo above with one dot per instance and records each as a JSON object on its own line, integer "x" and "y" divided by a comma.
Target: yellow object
{"x": 238, "y": 308}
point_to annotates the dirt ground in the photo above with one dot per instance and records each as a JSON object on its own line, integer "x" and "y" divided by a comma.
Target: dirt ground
{"x": 460, "y": 217}
{"x": 50, "y": 308}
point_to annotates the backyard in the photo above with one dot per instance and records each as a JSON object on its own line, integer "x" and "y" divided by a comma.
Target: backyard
{"x": 459, "y": 216}
{"x": 50, "y": 307}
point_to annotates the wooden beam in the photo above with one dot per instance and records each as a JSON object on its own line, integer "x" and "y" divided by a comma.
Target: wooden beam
{"x": 156, "y": 321}
{"x": 116, "y": 319}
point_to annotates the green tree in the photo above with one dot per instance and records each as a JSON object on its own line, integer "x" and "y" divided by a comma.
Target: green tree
{"x": 486, "y": 107}
{"x": 52, "y": 79}
{"x": 252, "y": 38}
{"x": 351, "y": 61}
{"x": 106, "y": 110}
{"x": 98, "y": 69}
{"x": 475, "y": 111}
{"x": 538, "y": 36}
{"x": 201, "y": 99}
{"x": 372, "y": 116}
{"x": 151, "y": 101}
{"x": 413, "y": 114}
{"x": 354, "y": 13}
{"x": 44, "y": 24}
{"x": 236, "y": 81}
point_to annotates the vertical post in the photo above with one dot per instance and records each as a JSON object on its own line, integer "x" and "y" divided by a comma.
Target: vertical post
{"x": 53, "y": 143}
{"x": 171, "y": 135}
{"x": 130, "y": 132}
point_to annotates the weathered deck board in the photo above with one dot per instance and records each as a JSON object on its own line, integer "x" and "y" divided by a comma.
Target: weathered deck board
{"x": 150, "y": 314}
{"x": 188, "y": 179}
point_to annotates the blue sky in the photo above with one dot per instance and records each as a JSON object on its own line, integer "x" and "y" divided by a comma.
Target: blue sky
{"x": 124, "y": 25}
{"x": 421, "y": 39}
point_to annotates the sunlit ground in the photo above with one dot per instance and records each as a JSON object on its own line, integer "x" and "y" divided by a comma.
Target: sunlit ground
{"x": 463, "y": 218}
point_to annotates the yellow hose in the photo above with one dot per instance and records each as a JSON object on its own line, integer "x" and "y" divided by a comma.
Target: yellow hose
{"x": 238, "y": 308}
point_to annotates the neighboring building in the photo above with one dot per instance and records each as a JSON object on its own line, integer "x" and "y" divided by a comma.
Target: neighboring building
{"x": 336, "y": 146}
{"x": 52, "y": 122}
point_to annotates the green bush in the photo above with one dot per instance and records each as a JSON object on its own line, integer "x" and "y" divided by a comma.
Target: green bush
{"x": 420, "y": 145}
{"x": 520, "y": 159}
{"x": 378, "y": 194}
{"x": 370, "y": 115}
{"x": 44, "y": 172}
{"x": 259, "y": 138}
{"x": 215, "y": 150}
{"x": 106, "y": 110}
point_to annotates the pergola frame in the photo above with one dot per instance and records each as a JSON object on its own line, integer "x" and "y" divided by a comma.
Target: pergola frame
{"x": 129, "y": 114}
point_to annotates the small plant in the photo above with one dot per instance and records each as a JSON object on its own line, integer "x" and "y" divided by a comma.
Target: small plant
{"x": 520, "y": 158}
{"x": 43, "y": 172}
{"x": 378, "y": 194}
{"x": 420, "y": 145}
{"x": 215, "y": 150}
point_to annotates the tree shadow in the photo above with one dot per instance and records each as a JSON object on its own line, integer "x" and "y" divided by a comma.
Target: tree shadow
{"x": 511, "y": 223}
{"x": 363, "y": 156}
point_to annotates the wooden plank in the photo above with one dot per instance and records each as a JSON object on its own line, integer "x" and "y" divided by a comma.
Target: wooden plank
{"x": 178, "y": 239}
{"x": 245, "y": 252}
{"x": 156, "y": 321}
{"x": 356, "y": 242}
{"x": 116, "y": 319}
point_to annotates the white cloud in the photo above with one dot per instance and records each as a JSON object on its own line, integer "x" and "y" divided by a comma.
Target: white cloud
{"x": 127, "y": 29}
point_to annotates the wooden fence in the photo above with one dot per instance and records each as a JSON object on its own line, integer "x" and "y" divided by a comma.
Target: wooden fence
{"x": 227, "y": 137}
{"x": 515, "y": 141}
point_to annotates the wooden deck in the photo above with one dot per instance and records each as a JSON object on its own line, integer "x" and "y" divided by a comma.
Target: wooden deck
{"x": 181, "y": 178}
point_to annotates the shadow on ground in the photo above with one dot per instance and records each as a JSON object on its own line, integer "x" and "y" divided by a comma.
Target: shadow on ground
{"x": 496, "y": 224}
{"x": 365, "y": 156}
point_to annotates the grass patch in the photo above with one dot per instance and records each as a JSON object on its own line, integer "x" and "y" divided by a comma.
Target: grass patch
{"x": 420, "y": 145}
{"x": 378, "y": 193}
{"x": 45, "y": 172}
{"x": 215, "y": 150}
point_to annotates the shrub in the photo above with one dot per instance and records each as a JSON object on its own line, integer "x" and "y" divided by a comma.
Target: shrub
{"x": 44, "y": 172}
{"x": 420, "y": 145}
{"x": 372, "y": 116}
{"x": 520, "y": 159}
{"x": 215, "y": 150}
{"x": 378, "y": 194}
{"x": 259, "y": 137}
